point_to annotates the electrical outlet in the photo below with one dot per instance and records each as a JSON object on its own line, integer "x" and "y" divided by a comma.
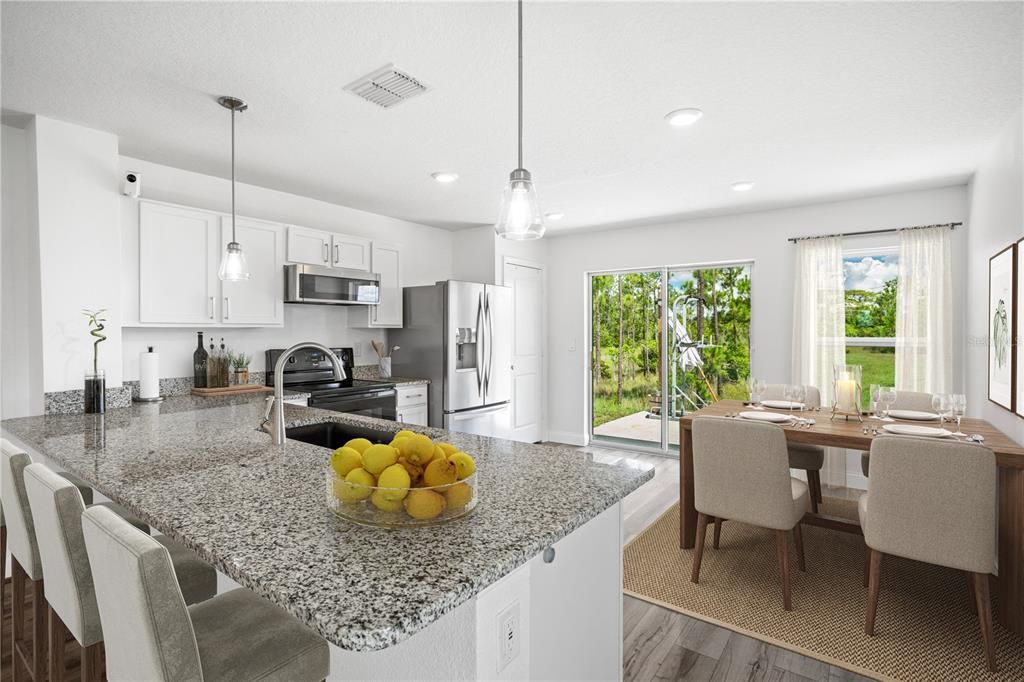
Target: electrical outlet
{"x": 509, "y": 635}
{"x": 357, "y": 351}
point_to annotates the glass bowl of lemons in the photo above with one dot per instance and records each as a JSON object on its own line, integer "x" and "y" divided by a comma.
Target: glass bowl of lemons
{"x": 411, "y": 481}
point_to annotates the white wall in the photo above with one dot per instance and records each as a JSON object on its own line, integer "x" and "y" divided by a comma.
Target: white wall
{"x": 426, "y": 258}
{"x": 759, "y": 237}
{"x": 79, "y": 249}
{"x": 21, "y": 362}
{"x": 478, "y": 254}
{"x": 997, "y": 220}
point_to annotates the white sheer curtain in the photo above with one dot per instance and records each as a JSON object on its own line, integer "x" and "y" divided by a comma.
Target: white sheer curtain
{"x": 819, "y": 324}
{"x": 924, "y": 302}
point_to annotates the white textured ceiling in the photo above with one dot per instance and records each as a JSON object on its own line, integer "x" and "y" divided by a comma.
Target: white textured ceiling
{"x": 812, "y": 100}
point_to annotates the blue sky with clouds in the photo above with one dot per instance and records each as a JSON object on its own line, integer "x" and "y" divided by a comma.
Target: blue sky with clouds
{"x": 869, "y": 272}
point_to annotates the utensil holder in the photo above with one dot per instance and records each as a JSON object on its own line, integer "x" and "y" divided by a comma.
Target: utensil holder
{"x": 385, "y": 367}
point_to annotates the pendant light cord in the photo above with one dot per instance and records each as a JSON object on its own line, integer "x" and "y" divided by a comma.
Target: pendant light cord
{"x": 520, "y": 83}
{"x": 233, "y": 174}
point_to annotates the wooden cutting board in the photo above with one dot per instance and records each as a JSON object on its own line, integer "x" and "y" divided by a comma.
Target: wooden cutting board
{"x": 231, "y": 390}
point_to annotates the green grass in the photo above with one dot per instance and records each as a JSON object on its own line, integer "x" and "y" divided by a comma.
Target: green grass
{"x": 635, "y": 394}
{"x": 878, "y": 367}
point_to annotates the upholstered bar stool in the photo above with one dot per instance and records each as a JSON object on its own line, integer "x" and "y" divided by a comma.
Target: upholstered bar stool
{"x": 741, "y": 473}
{"x": 28, "y": 650}
{"x": 809, "y": 458}
{"x": 905, "y": 400}
{"x": 934, "y": 501}
{"x": 150, "y": 634}
{"x": 57, "y": 512}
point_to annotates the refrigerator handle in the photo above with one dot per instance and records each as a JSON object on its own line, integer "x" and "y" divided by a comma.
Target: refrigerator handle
{"x": 490, "y": 341}
{"x": 479, "y": 346}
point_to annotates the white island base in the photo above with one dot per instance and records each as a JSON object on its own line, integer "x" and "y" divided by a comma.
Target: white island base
{"x": 567, "y": 615}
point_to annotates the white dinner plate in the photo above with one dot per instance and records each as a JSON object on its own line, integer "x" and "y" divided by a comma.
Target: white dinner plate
{"x": 766, "y": 417}
{"x": 783, "y": 404}
{"x": 914, "y": 415}
{"x": 913, "y": 430}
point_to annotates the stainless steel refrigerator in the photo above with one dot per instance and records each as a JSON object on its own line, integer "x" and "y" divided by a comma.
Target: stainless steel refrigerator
{"x": 459, "y": 335}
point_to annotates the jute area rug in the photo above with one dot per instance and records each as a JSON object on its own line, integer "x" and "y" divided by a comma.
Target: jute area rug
{"x": 925, "y": 628}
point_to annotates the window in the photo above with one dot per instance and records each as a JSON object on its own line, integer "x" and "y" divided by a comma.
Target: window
{"x": 869, "y": 279}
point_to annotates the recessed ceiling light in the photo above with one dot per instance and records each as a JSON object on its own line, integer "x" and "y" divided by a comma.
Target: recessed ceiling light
{"x": 554, "y": 215}
{"x": 743, "y": 186}
{"x": 680, "y": 118}
{"x": 445, "y": 176}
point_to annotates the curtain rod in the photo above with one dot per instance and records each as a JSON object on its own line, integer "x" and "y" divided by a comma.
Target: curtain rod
{"x": 951, "y": 226}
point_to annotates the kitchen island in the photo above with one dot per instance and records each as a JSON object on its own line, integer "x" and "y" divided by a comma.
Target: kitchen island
{"x": 418, "y": 602}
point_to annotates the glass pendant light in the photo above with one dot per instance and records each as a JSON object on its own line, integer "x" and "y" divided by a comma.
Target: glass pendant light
{"x": 520, "y": 216}
{"x": 233, "y": 267}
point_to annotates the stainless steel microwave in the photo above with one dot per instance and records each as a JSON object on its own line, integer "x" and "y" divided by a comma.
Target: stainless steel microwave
{"x": 330, "y": 286}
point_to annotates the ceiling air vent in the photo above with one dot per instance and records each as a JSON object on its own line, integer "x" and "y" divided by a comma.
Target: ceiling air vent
{"x": 387, "y": 87}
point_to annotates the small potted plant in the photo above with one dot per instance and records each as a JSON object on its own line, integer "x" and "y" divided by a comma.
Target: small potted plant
{"x": 95, "y": 395}
{"x": 239, "y": 368}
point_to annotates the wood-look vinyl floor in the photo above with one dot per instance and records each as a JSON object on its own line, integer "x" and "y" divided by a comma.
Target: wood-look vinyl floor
{"x": 661, "y": 644}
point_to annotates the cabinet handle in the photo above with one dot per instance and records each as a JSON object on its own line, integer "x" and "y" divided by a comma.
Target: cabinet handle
{"x": 227, "y": 307}
{"x": 337, "y": 255}
{"x": 549, "y": 555}
{"x": 326, "y": 249}
{"x": 210, "y": 307}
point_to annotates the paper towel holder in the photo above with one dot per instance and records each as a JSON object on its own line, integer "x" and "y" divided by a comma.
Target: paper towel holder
{"x": 138, "y": 399}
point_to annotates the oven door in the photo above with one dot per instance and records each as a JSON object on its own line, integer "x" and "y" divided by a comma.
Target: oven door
{"x": 379, "y": 404}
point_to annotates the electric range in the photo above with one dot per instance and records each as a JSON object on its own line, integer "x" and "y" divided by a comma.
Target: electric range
{"x": 310, "y": 371}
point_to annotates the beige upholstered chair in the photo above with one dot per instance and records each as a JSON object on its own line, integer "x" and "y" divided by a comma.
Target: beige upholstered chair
{"x": 905, "y": 400}
{"x": 808, "y": 457}
{"x": 57, "y": 512}
{"x": 151, "y": 635}
{"x": 934, "y": 501}
{"x": 28, "y": 651}
{"x": 741, "y": 473}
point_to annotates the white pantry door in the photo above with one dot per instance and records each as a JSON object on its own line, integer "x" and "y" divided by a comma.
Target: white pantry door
{"x": 527, "y": 283}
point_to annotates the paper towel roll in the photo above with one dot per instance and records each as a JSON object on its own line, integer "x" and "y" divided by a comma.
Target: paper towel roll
{"x": 149, "y": 374}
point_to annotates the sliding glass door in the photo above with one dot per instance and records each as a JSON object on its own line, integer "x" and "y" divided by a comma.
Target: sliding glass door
{"x": 664, "y": 343}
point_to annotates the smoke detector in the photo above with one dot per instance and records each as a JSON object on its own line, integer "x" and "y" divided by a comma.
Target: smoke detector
{"x": 387, "y": 87}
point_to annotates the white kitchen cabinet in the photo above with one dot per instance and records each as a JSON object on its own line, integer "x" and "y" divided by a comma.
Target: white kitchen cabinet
{"x": 179, "y": 253}
{"x": 259, "y": 300}
{"x": 308, "y": 246}
{"x": 386, "y": 261}
{"x": 411, "y": 404}
{"x": 327, "y": 249}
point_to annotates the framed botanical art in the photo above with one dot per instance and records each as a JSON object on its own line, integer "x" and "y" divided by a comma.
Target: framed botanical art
{"x": 1019, "y": 327}
{"x": 1002, "y": 327}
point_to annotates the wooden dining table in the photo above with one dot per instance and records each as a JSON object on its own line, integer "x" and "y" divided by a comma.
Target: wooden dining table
{"x": 849, "y": 433}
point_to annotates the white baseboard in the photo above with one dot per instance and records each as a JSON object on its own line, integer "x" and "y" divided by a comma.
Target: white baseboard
{"x": 567, "y": 437}
{"x": 856, "y": 480}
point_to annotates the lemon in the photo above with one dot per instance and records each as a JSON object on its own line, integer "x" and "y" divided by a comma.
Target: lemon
{"x": 464, "y": 464}
{"x": 417, "y": 448}
{"x": 377, "y": 458}
{"x": 395, "y": 441}
{"x": 424, "y": 504}
{"x": 415, "y": 471}
{"x": 345, "y": 459}
{"x": 380, "y": 501}
{"x": 394, "y": 482}
{"x": 448, "y": 448}
{"x": 458, "y": 495}
{"x": 405, "y": 433}
{"x": 439, "y": 453}
{"x": 358, "y": 444}
{"x": 356, "y": 487}
{"x": 440, "y": 472}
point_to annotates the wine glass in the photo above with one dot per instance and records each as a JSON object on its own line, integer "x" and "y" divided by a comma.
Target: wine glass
{"x": 958, "y": 405}
{"x": 940, "y": 403}
{"x": 760, "y": 386}
{"x": 751, "y": 388}
{"x": 873, "y": 393}
{"x": 887, "y": 396}
{"x": 790, "y": 393}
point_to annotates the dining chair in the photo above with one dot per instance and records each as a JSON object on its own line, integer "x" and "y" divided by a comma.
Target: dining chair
{"x": 69, "y": 590}
{"x": 934, "y": 501}
{"x": 741, "y": 473}
{"x": 28, "y": 649}
{"x": 152, "y": 635}
{"x": 809, "y": 458}
{"x": 905, "y": 400}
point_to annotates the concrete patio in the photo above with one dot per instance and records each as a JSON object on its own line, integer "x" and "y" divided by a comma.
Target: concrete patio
{"x": 638, "y": 427}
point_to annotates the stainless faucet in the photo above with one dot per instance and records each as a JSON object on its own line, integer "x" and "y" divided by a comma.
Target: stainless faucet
{"x": 275, "y": 405}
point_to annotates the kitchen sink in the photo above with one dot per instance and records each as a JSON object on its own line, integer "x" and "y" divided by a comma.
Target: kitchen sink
{"x": 333, "y": 434}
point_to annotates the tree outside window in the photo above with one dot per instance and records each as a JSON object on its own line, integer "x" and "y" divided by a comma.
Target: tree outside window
{"x": 870, "y": 281}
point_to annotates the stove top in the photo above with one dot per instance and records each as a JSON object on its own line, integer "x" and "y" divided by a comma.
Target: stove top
{"x": 346, "y": 386}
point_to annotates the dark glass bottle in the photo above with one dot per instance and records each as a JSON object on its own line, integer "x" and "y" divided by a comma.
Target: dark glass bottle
{"x": 199, "y": 360}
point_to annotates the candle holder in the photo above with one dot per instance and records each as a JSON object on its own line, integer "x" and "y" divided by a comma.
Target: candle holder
{"x": 846, "y": 389}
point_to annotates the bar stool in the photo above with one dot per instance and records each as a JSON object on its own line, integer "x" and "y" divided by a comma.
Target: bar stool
{"x": 28, "y": 651}
{"x": 151, "y": 635}
{"x": 57, "y": 512}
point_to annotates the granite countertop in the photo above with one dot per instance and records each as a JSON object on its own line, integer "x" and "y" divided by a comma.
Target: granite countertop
{"x": 372, "y": 372}
{"x": 405, "y": 381}
{"x": 198, "y": 470}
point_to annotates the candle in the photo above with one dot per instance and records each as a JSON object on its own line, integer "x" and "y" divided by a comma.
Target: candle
{"x": 846, "y": 395}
